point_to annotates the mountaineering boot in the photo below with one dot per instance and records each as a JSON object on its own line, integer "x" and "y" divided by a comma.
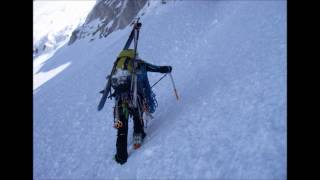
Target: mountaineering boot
{"x": 138, "y": 139}
{"x": 119, "y": 160}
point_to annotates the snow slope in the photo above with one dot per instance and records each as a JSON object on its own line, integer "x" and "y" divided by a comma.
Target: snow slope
{"x": 53, "y": 23}
{"x": 54, "y": 18}
{"x": 229, "y": 65}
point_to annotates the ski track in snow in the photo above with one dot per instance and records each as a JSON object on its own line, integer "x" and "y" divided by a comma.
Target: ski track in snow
{"x": 229, "y": 66}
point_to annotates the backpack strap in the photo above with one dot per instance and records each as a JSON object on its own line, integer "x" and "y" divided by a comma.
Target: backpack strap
{"x": 125, "y": 66}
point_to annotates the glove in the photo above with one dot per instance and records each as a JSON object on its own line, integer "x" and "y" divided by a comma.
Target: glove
{"x": 169, "y": 69}
{"x": 165, "y": 69}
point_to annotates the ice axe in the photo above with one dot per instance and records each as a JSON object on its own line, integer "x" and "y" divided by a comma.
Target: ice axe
{"x": 174, "y": 86}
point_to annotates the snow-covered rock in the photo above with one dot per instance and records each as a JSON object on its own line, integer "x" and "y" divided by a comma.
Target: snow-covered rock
{"x": 54, "y": 21}
{"x": 107, "y": 16}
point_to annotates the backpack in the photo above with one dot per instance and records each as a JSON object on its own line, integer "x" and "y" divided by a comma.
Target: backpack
{"x": 121, "y": 79}
{"x": 121, "y": 76}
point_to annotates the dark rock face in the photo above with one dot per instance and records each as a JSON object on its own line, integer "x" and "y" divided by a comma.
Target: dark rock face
{"x": 106, "y": 17}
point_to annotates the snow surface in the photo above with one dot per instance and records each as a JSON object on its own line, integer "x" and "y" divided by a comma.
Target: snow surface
{"x": 229, "y": 66}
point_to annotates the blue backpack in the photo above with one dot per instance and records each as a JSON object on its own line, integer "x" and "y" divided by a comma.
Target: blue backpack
{"x": 121, "y": 79}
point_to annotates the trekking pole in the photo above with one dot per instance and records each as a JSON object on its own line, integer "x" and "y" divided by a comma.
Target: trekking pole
{"x": 174, "y": 87}
{"x": 159, "y": 80}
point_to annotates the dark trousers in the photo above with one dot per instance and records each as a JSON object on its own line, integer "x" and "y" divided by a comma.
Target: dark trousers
{"x": 122, "y": 136}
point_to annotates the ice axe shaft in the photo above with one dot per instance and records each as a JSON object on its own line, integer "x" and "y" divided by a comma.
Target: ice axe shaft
{"x": 174, "y": 87}
{"x": 159, "y": 80}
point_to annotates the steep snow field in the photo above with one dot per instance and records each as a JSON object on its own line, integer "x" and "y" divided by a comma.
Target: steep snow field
{"x": 229, "y": 66}
{"x": 53, "y": 23}
{"x": 52, "y": 17}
